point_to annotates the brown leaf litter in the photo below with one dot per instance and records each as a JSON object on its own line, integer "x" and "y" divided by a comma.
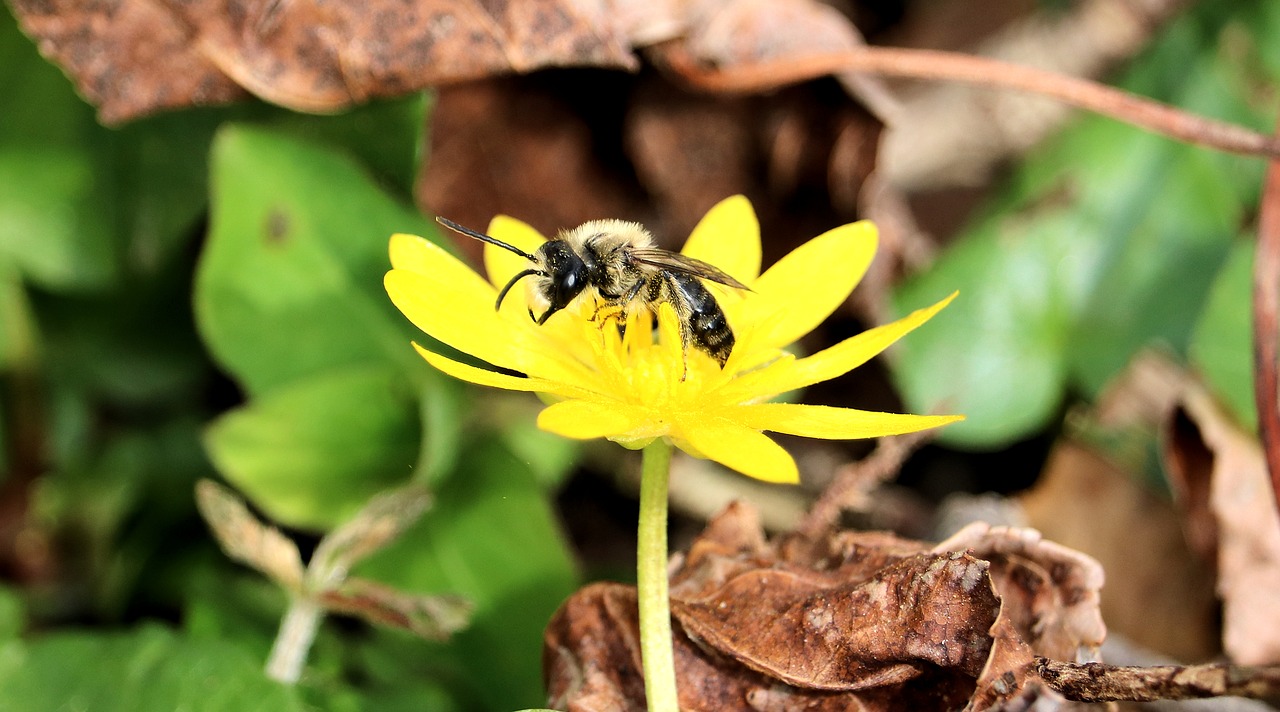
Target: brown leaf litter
{"x": 842, "y": 621}
{"x": 1220, "y": 475}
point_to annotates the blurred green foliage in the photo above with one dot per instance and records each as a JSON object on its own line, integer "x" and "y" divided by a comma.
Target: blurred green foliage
{"x": 1106, "y": 241}
{"x": 202, "y": 292}
{"x": 1222, "y": 343}
{"x": 148, "y": 668}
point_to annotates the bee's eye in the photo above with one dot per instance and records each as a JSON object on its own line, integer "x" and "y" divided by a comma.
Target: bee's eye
{"x": 566, "y": 272}
{"x": 569, "y": 283}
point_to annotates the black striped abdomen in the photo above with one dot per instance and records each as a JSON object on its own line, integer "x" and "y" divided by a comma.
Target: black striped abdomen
{"x": 703, "y": 324}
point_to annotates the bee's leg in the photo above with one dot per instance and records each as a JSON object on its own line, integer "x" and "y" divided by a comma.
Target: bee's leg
{"x": 612, "y": 312}
{"x": 670, "y": 292}
{"x": 600, "y": 307}
{"x": 623, "y": 303}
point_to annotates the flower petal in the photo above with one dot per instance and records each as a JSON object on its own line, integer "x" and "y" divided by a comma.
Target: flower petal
{"x": 455, "y": 305}
{"x": 728, "y": 236}
{"x": 739, "y": 448}
{"x": 587, "y": 419}
{"x": 804, "y": 287}
{"x": 485, "y": 377}
{"x": 465, "y": 322}
{"x": 420, "y": 255}
{"x": 820, "y": 421}
{"x": 789, "y": 374}
{"x": 501, "y": 265}
{"x": 448, "y": 300}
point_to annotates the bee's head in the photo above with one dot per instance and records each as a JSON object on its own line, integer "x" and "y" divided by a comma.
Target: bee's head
{"x": 561, "y": 273}
{"x": 563, "y": 276}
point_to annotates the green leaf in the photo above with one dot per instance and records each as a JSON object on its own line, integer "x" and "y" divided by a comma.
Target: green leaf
{"x": 396, "y": 673}
{"x": 1166, "y": 214}
{"x": 40, "y": 103}
{"x": 441, "y": 414}
{"x": 1101, "y": 244}
{"x": 1222, "y": 344}
{"x": 44, "y": 229}
{"x": 996, "y": 353}
{"x": 550, "y": 457}
{"x": 491, "y": 537}
{"x": 290, "y": 283}
{"x": 17, "y": 322}
{"x": 385, "y": 135}
{"x": 312, "y": 453}
{"x": 12, "y": 614}
{"x": 144, "y": 670}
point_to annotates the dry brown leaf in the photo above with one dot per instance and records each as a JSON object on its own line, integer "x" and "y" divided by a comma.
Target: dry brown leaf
{"x": 135, "y": 57}
{"x": 1091, "y": 497}
{"x": 748, "y": 33}
{"x": 246, "y": 539}
{"x": 850, "y": 636}
{"x": 1210, "y": 454}
{"x": 850, "y": 621}
{"x": 382, "y": 520}
{"x": 1159, "y": 595}
{"x": 544, "y": 148}
{"x": 524, "y": 147}
{"x": 128, "y": 58}
{"x": 432, "y": 617}
{"x": 1054, "y": 590}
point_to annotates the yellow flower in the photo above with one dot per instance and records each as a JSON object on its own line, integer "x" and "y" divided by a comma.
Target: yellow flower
{"x": 630, "y": 386}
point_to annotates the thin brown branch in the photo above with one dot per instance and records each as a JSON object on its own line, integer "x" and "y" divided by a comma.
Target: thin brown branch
{"x": 951, "y": 66}
{"x": 858, "y": 478}
{"x": 1266, "y": 306}
{"x": 1095, "y": 682}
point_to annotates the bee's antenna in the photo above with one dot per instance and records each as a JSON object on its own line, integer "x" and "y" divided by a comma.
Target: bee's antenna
{"x": 503, "y": 294}
{"x": 485, "y": 238}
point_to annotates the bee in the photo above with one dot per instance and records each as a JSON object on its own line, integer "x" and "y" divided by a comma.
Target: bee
{"x": 617, "y": 262}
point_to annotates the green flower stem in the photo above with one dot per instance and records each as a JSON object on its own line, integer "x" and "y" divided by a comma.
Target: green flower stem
{"x": 293, "y": 642}
{"x": 651, "y": 580}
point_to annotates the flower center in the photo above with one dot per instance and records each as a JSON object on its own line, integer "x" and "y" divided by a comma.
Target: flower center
{"x": 641, "y": 364}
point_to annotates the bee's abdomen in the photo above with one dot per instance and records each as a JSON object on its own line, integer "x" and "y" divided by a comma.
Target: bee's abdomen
{"x": 704, "y": 323}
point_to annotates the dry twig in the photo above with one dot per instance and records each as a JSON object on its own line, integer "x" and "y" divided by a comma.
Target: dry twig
{"x": 1266, "y": 305}
{"x": 856, "y": 479}
{"x": 1096, "y": 682}
{"x": 951, "y": 66}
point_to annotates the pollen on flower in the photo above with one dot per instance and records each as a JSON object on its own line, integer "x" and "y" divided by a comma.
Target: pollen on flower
{"x": 643, "y": 364}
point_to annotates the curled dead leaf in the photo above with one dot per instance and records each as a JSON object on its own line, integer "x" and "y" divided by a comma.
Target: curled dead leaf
{"x": 431, "y": 617}
{"x": 850, "y": 636}
{"x": 1094, "y": 495}
{"x": 844, "y": 621}
{"x": 1221, "y": 477}
{"x": 246, "y": 539}
{"x": 377, "y": 524}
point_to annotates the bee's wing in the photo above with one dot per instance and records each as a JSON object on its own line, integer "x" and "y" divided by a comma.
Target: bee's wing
{"x": 676, "y": 262}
